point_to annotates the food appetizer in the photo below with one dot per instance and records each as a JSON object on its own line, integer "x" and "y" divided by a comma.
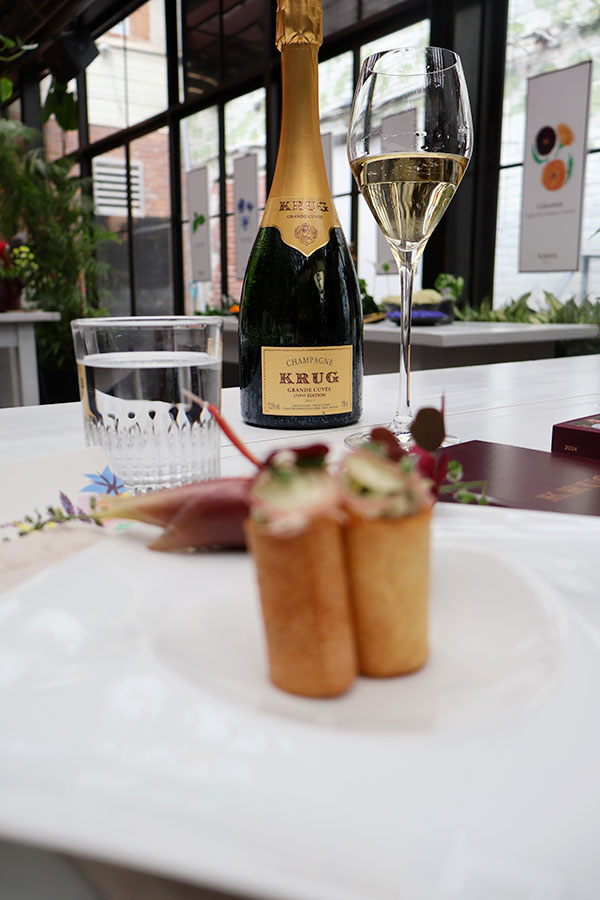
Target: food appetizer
{"x": 341, "y": 552}
{"x": 386, "y": 538}
{"x": 294, "y": 533}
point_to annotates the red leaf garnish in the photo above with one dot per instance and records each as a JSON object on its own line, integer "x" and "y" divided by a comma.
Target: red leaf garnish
{"x": 313, "y": 455}
{"x": 428, "y": 428}
{"x": 431, "y": 467}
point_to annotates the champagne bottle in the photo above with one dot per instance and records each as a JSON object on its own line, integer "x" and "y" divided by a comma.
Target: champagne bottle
{"x": 300, "y": 313}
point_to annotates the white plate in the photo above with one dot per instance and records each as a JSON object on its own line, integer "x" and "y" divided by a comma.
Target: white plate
{"x": 494, "y": 638}
{"x": 138, "y": 724}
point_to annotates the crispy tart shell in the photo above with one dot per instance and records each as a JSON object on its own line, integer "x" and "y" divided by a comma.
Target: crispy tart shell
{"x": 306, "y": 607}
{"x": 388, "y": 566}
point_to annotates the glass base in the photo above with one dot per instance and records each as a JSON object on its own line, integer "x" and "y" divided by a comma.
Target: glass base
{"x": 360, "y": 438}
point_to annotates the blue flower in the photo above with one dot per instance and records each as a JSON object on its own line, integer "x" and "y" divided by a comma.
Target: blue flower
{"x": 105, "y": 482}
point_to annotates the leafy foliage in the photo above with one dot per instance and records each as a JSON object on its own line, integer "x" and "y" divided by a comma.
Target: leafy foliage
{"x": 452, "y": 285}
{"x": 53, "y": 209}
{"x": 10, "y": 49}
{"x": 368, "y": 303}
{"x": 556, "y": 313}
{"x": 61, "y": 104}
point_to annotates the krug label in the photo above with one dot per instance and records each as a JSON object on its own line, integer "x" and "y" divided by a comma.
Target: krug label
{"x": 303, "y": 222}
{"x": 306, "y": 381}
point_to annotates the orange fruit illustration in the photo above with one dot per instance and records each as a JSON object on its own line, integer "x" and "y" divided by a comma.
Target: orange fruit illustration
{"x": 554, "y": 174}
{"x": 565, "y": 134}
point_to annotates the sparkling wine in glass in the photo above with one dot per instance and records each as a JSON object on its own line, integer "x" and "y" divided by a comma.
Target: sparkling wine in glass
{"x": 409, "y": 144}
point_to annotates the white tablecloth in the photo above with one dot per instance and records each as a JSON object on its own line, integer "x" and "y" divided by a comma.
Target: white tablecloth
{"x": 523, "y": 797}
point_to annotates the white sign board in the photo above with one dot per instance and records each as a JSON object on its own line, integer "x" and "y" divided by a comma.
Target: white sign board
{"x": 554, "y": 169}
{"x": 197, "y": 184}
{"x": 245, "y": 192}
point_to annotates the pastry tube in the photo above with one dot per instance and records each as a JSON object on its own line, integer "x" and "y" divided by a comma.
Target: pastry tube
{"x": 388, "y": 568}
{"x": 305, "y": 606}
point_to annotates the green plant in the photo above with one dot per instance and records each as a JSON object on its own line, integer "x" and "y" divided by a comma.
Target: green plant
{"x": 10, "y": 50}
{"x": 60, "y": 102}
{"x": 557, "y": 313}
{"x": 450, "y": 285}
{"x": 53, "y": 210}
{"x": 368, "y": 303}
{"x": 229, "y": 307}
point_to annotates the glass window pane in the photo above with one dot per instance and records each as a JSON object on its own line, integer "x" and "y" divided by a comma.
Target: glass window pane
{"x": 244, "y": 134}
{"x": 380, "y": 282}
{"x": 127, "y": 82}
{"x": 343, "y": 209}
{"x": 544, "y": 35}
{"x": 509, "y": 283}
{"x": 199, "y": 148}
{"x": 151, "y": 196}
{"x": 335, "y": 100}
{"x": 416, "y": 35}
{"x": 111, "y": 211}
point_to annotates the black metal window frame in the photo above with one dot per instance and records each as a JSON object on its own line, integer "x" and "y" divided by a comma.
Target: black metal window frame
{"x": 464, "y": 242}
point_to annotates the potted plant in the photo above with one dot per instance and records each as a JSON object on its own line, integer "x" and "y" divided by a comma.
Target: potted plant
{"x": 52, "y": 211}
{"x": 17, "y": 265}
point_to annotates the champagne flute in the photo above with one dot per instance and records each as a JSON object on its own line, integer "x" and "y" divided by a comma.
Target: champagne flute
{"x": 409, "y": 144}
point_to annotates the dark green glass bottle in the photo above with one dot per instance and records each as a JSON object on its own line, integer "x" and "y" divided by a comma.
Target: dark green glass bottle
{"x": 300, "y": 313}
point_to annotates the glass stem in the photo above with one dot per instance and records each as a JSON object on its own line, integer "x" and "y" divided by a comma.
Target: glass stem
{"x": 407, "y": 263}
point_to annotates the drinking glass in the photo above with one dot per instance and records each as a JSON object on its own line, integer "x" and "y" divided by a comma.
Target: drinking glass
{"x": 409, "y": 144}
{"x": 133, "y": 375}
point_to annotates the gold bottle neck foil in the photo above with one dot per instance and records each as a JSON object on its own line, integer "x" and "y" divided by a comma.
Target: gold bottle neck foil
{"x": 299, "y": 203}
{"x": 298, "y": 22}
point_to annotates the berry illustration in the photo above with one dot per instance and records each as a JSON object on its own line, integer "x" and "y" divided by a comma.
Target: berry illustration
{"x": 545, "y": 140}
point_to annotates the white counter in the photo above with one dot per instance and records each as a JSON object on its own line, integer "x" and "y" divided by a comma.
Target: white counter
{"x": 457, "y": 344}
{"x": 19, "y": 378}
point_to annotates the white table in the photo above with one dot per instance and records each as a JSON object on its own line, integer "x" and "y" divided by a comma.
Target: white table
{"x": 313, "y": 810}
{"x": 458, "y": 344}
{"x": 17, "y": 334}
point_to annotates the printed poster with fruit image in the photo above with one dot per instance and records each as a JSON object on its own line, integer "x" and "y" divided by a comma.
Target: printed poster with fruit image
{"x": 554, "y": 169}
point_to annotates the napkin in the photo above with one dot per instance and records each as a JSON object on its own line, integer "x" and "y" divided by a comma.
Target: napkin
{"x": 28, "y": 556}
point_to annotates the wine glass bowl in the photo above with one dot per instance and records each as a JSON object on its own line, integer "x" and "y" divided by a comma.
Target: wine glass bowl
{"x": 409, "y": 144}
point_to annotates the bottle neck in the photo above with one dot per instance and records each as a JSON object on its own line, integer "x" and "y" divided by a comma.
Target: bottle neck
{"x": 300, "y": 169}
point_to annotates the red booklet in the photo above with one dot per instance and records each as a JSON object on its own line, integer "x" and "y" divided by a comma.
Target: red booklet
{"x": 578, "y": 437}
{"x": 530, "y": 479}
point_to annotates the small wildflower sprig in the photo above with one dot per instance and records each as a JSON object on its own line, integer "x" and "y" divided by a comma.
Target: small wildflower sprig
{"x": 56, "y": 515}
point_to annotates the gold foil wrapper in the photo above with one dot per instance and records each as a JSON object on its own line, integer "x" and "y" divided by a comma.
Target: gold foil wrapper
{"x": 298, "y": 22}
